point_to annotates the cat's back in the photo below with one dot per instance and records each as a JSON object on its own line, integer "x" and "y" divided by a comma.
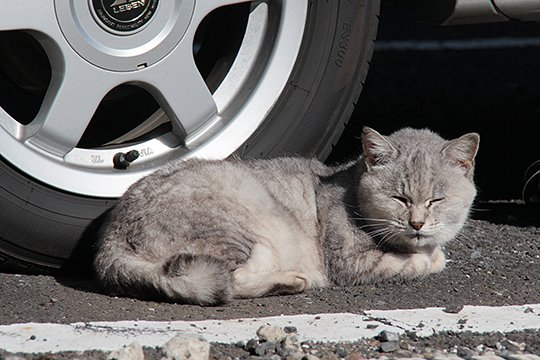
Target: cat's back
{"x": 233, "y": 190}
{"x": 184, "y": 178}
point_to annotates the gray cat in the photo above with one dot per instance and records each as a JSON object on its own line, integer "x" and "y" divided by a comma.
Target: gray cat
{"x": 204, "y": 232}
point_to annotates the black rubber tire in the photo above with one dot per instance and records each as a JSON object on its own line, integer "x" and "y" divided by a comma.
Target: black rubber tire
{"x": 327, "y": 80}
{"x": 41, "y": 228}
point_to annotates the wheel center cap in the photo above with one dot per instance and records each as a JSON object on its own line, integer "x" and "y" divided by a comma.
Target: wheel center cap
{"x": 124, "y": 35}
{"x": 124, "y": 16}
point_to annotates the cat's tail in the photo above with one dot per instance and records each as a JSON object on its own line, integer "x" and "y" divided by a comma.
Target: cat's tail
{"x": 185, "y": 278}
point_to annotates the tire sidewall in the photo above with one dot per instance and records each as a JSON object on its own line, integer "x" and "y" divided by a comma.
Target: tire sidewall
{"x": 327, "y": 79}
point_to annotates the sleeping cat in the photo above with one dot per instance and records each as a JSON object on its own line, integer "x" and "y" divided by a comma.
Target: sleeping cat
{"x": 204, "y": 232}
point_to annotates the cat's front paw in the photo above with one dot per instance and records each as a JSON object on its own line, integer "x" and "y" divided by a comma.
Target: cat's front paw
{"x": 438, "y": 260}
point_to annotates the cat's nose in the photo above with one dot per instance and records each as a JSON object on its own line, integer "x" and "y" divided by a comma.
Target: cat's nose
{"x": 416, "y": 225}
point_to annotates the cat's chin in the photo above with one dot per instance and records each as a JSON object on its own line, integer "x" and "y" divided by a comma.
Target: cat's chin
{"x": 419, "y": 241}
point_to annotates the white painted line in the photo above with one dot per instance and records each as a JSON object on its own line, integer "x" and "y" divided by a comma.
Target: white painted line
{"x": 430, "y": 321}
{"x": 461, "y": 44}
{"x": 36, "y": 338}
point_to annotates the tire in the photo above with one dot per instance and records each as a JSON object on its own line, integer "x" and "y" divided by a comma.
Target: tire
{"x": 46, "y": 221}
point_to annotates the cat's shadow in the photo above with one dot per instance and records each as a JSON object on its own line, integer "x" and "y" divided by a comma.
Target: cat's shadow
{"x": 78, "y": 272}
{"x": 513, "y": 213}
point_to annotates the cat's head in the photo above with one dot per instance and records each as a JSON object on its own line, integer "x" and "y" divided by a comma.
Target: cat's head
{"x": 416, "y": 189}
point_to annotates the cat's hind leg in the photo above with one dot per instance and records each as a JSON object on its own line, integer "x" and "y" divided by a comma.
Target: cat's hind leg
{"x": 247, "y": 284}
{"x": 264, "y": 275}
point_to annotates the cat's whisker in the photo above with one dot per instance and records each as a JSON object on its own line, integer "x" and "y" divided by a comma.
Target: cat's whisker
{"x": 461, "y": 237}
{"x": 374, "y": 219}
{"x": 438, "y": 228}
{"x": 372, "y": 224}
{"x": 376, "y": 226}
{"x": 385, "y": 239}
{"x": 378, "y": 232}
{"x": 470, "y": 226}
{"x": 383, "y": 235}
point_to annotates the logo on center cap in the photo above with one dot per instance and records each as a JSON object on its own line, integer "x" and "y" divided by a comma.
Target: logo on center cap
{"x": 124, "y": 15}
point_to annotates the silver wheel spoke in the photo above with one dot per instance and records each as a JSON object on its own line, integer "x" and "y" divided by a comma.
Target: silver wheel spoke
{"x": 203, "y": 8}
{"x": 68, "y": 107}
{"x": 177, "y": 84}
{"x": 28, "y": 15}
{"x": 180, "y": 89}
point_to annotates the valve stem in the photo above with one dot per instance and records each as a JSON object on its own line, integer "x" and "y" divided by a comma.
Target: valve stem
{"x": 122, "y": 160}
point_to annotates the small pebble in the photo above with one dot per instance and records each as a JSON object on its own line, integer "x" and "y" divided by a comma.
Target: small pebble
{"x": 341, "y": 352}
{"x": 405, "y": 345}
{"x": 441, "y": 355}
{"x": 522, "y": 357}
{"x": 388, "y": 336}
{"x": 327, "y": 355}
{"x": 134, "y": 351}
{"x": 465, "y": 353}
{"x": 266, "y": 348}
{"x": 291, "y": 344}
{"x": 295, "y": 356}
{"x": 453, "y": 308}
{"x": 487, "y": 357}
{"x": 186, "y": 347}
{"x": 355, "y": 356}
{"x": 476, "y": 254}
{"x": 512, "y": 345}
{"x": 251, "y": 345}
{"x": 389, "y": 346}
{"x": 274, "y": 334}
{"x": 290, "y": 329}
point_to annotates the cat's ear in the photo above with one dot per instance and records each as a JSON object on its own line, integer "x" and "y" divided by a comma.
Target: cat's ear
{"x": 377, "y": 149}
{"x": 462, "y": 151}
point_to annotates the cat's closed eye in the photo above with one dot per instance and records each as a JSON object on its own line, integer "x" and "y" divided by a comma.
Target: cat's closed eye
{"x": 432, "y": 202}
{"x": 405, "y": 201}
{"x": 402, "y": 199}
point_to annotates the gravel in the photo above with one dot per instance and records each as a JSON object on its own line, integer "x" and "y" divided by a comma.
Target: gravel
{"x": 449, "y": 345}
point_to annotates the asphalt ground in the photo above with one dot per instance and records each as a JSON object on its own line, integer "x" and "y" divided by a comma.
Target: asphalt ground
{"x": 495, "y": 262}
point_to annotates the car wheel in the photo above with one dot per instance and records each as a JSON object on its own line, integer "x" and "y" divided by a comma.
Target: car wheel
{"x": 96, "y": 94}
